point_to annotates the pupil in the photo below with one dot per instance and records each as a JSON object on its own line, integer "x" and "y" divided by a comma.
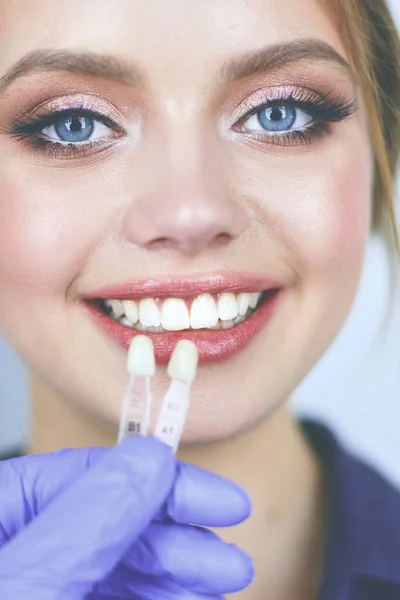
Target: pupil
{"x": 276, "y": 114}
{"x": 76, "y": 124}
{"x": 277, "y": 118}
{"x": 75, "y": 128}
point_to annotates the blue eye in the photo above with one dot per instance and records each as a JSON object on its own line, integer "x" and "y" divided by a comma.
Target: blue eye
{"x": 277, "y": 118}
{"x": 74, "y": 128}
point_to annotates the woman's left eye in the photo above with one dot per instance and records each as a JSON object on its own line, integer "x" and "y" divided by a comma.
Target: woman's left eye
{"x": 277, "y": 118}
{"x": 76, "y": 128}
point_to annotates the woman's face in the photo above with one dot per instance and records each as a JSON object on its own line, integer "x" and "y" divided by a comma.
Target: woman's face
{"x": 153, "y": 150}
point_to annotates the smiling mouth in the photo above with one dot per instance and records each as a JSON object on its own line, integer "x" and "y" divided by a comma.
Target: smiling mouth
{"x": 220, "y": 311}
{"x": 221, "y": 314}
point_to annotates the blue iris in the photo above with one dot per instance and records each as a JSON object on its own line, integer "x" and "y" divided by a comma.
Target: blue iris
{"x": 75, "y": 128}
{"x": 277, "y": 118}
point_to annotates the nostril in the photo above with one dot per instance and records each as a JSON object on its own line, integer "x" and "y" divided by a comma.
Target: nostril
{"x": 189, "y": 243}
{"x": 162, "y": 242}
{"x": 222, "y": 238}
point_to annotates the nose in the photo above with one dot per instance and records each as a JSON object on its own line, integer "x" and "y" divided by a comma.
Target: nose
{"x": 183, "y": 203}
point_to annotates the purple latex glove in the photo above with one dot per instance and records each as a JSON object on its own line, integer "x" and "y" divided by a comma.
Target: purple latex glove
{"x": 117, "y": 523}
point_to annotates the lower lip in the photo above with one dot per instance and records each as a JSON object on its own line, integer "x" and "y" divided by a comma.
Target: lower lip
{"x": 213, "y": 344}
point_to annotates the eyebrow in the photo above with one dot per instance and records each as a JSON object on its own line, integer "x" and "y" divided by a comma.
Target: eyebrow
{"x": 279, "y": 55}
{"x": 117, "y": 69}
{"x": 81, "y": 63}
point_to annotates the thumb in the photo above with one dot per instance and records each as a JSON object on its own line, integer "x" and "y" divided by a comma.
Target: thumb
{"x": 85, "y": 531}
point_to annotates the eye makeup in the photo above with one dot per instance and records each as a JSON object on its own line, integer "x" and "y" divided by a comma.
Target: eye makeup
{"x": 267, "y": 106}
{"x": 322, "y": 109}
{"x": 32, "y": 130}
{"x": 73, "y": 112}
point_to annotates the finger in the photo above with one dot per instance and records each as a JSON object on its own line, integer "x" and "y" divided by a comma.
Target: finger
{"x": 193, "y": 557}
{"x": 203, "y": 498}
{"x": 122, "y": 584}
{"x": 32, "y": 482}
{"x": 84, "y": 533}
{"x": 106, "y": 597}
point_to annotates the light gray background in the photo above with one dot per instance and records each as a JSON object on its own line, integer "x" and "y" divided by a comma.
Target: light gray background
{"x": 355, "y": 387}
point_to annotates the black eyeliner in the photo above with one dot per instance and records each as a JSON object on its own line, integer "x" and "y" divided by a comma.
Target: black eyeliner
{"x": 36, "y": 124}
{"x": 326, "y": 108}
{"x": 323, "y": 109}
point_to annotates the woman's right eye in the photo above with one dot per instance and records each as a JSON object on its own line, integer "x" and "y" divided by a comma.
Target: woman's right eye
{"x": 76, "y": 128}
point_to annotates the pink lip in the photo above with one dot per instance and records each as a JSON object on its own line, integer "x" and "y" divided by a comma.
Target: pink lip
{"x": 188, "y": 287}
{"x": 213, "y": 345}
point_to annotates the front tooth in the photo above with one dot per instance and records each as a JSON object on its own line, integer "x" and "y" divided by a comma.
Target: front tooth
{"x": 243, "y": 303}
{"x": 254, "y": 298}
{"x": 131, "y": 311}
{"x": 117, "y": 308}
{"x": 227, "y": 307}
{"x": 149, "y": 315}
{"x": 174, "y": 315}
{"x": 203, "y": 313}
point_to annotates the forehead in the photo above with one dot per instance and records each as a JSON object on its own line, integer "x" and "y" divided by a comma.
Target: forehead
{"x": 163, "y": 37}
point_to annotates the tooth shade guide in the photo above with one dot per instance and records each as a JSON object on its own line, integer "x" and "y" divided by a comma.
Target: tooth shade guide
{"x": 172, "y": 417}
{"x": 135, "y": 415}
{"x": 182, "y": 369}
{"x": 183, "y": 362}
{"x": 141, "y": 359}
{"x": 136, "y": 404}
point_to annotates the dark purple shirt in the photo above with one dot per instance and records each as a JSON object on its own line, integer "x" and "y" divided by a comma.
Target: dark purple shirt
{"x": 363, "y": 552}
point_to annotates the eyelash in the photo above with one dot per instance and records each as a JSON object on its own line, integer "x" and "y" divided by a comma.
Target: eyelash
{"x": 323, "y": 110}
{"x": 30, "y": 130}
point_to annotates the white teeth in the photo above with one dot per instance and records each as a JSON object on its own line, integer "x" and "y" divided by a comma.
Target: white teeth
{"x": 243, "y": 303}
{"x": 203, "y": 314}
{"x": 117, "y": 308}
{"x": 227, "y": 307}
{"x": 254, "y": 298}
{"x": 175, "y": 315}
{"x": 131, "y": 311}
{"x": 149, "y": 315}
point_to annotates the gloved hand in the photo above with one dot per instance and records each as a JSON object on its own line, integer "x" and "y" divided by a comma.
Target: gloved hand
{"x": 102, "y": 523}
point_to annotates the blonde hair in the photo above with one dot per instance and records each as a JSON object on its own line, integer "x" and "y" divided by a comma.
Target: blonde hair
{"x": 372, "y": 40}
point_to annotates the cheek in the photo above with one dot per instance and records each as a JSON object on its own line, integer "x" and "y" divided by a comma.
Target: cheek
{"x": 31, "y": 239}
{"x": 331, "y": 219}
{"x": 319, "y": 209}
{"x": 45, "y": 235}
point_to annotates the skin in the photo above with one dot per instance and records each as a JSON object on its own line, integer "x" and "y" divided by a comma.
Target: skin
{"x": 180, "y": 194}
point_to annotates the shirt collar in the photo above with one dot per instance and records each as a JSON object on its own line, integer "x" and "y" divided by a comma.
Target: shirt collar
{"x": 364, "y": 538}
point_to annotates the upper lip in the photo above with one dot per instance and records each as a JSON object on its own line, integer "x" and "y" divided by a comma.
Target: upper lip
{"x": 187, "y": 287}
